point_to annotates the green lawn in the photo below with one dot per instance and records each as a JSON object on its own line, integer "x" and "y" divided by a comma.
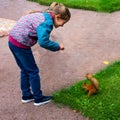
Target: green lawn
{"x": 96, "y": 5}
{"x": 105, "y": 105}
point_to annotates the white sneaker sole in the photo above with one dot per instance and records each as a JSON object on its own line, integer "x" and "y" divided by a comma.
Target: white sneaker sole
{"x": 42, "y": 103}
{"x": 27, "y": 101}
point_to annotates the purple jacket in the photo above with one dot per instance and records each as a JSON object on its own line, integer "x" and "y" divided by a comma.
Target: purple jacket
{"x": 35, "y": 27}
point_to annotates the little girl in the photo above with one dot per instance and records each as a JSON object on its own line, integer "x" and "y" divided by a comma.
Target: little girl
{"x": 30, "y": 29}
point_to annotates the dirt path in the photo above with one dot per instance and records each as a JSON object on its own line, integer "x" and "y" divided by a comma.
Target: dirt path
{"x": 89, "y": 38}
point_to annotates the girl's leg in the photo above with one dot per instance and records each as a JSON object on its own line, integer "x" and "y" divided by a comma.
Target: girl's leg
{"x": 24, "y": 77}
{"x": 25, "y": 84}
{"x": 27, "y": 62}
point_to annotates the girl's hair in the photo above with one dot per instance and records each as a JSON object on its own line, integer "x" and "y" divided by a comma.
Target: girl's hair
{"x": 58, "y": 8}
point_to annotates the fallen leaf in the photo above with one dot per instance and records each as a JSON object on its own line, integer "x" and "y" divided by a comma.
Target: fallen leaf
{"x": 106, "y": 62}
{"x": 74, "y": 111}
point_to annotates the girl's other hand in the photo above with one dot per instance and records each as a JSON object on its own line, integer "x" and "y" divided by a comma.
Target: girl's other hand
{"x": 61, "y": 46}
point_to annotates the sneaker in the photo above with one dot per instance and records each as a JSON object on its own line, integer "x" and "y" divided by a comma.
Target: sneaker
{"x": 43, "y": 100}
{"x": 27, "y": 99}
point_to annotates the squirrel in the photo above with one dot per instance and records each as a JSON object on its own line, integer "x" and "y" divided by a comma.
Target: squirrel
{"x": 93, "y": 86}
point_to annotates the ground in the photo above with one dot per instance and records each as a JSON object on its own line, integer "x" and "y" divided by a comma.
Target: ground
{"x": 89, "y": 38}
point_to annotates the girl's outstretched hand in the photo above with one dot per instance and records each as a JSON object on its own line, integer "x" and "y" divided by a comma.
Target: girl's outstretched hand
{"x": 61, "y": 46}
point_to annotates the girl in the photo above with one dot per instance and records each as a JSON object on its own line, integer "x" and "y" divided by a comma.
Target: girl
{"x": 30, "y": 29}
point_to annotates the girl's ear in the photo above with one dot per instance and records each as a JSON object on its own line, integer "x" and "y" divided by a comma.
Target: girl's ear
{"x": 58, "y": 16}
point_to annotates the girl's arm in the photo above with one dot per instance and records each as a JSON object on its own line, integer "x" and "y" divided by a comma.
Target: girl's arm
{"x": 43, "y": 33}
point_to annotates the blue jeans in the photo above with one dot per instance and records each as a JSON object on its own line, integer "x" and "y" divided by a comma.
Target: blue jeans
{"x": 29, "y": 75}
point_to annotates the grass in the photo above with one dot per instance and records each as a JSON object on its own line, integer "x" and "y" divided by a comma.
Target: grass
{"x": 105, "y": 105}
{"x": 96, "y": 5}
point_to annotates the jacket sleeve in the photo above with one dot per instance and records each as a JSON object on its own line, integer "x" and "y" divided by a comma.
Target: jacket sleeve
{"x": 43, "y": 33}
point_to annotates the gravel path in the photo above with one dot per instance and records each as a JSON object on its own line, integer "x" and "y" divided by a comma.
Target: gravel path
{"x": 89, "y": 38}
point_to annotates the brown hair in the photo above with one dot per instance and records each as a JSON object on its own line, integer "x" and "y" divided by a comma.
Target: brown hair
{"x": 59, "y": 8}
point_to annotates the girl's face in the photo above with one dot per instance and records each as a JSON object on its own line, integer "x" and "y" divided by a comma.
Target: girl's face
{"x": 58, "y": 22}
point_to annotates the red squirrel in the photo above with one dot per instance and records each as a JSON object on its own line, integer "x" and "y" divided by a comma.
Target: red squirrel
{"x": 93, "y": 86}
